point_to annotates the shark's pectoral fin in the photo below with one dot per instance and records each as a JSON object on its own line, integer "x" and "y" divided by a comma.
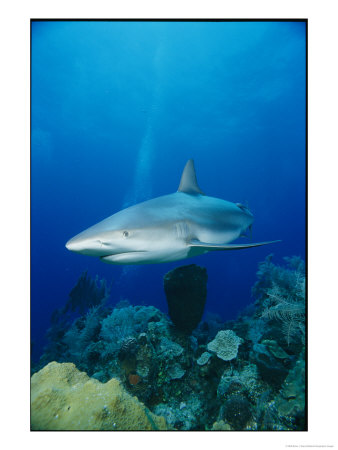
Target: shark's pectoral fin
{"x": 210, "y": 247}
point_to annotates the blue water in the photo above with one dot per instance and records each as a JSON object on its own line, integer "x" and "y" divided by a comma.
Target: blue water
{"x": 117, "y": 110}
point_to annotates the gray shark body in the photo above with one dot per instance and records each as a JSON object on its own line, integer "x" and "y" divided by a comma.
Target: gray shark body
{"x": 168, "y": 228}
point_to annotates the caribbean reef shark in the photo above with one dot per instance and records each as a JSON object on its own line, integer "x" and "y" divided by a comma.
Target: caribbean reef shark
{"x": 168, "y": 228}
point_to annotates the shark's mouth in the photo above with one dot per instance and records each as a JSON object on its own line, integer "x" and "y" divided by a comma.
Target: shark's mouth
{"x": 123, "y": 253}
{"x": 124, "y": 257}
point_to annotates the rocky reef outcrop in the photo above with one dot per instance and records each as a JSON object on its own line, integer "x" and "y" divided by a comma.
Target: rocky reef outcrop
{"x": 63, "y": 398}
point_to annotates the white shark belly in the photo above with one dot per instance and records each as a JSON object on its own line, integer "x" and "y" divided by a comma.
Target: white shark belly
{"x": 149, "y": 257}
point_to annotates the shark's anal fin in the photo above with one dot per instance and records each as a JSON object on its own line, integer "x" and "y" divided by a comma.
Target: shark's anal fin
{"x": 208, "y": 246}
{"x": 188, "y": 182}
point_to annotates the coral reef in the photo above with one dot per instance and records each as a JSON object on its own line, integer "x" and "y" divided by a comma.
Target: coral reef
{"x": 204, "y": 358}
{"x": 237, "y": 411}
{"x": 186, "y": 292}
{"x": 291, "y": 399}
{"x": 69, "y": 334}
{"x": 86, "y": 294}
{"x": 281, "y": 294}
{"x": 62, "y": 398}
{"x": 244, "y": 374}
{"x": 244, "y": 381}
{"x": 225, "y": 345}
{"x": 221, "y": 426}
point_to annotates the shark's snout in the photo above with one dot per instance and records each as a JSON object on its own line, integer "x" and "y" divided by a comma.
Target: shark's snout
{"x": 73, "y": 245}
{"x": 76, "y": 245}
{"x": 85, "y": 246}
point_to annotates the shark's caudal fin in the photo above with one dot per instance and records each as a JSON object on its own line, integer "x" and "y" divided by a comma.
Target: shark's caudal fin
{"x": 188, "y": 182}
{"x": 207, "y": 246}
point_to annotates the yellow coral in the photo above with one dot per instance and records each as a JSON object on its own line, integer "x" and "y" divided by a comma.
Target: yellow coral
{"x": 221, "y": 426}
{"x": 63, "y": 398}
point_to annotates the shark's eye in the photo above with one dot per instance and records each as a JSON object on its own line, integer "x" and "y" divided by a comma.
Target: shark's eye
{"x": 125, "y": 234}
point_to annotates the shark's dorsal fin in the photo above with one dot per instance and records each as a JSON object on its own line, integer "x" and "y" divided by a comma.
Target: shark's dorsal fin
{"x": 188, "y": 182}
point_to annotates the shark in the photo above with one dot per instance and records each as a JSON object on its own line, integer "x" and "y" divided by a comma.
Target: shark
{"x": 169, "y": 228}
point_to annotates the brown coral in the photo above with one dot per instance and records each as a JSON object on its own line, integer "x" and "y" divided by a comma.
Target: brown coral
{"x": 134, "y": 379}
{"x": 63, "y": 398}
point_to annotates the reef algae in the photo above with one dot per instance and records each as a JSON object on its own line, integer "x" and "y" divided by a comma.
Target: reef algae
{"x": 63, "y": 398}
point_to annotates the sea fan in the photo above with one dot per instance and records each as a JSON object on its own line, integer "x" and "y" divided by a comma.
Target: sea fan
{"x": 82, "y": 333}
{"x": 288, "y": 306}
{"x": 86, "y": 293}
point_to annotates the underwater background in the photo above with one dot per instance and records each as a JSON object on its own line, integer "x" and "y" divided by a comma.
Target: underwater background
{"x": 117, "y": 108}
